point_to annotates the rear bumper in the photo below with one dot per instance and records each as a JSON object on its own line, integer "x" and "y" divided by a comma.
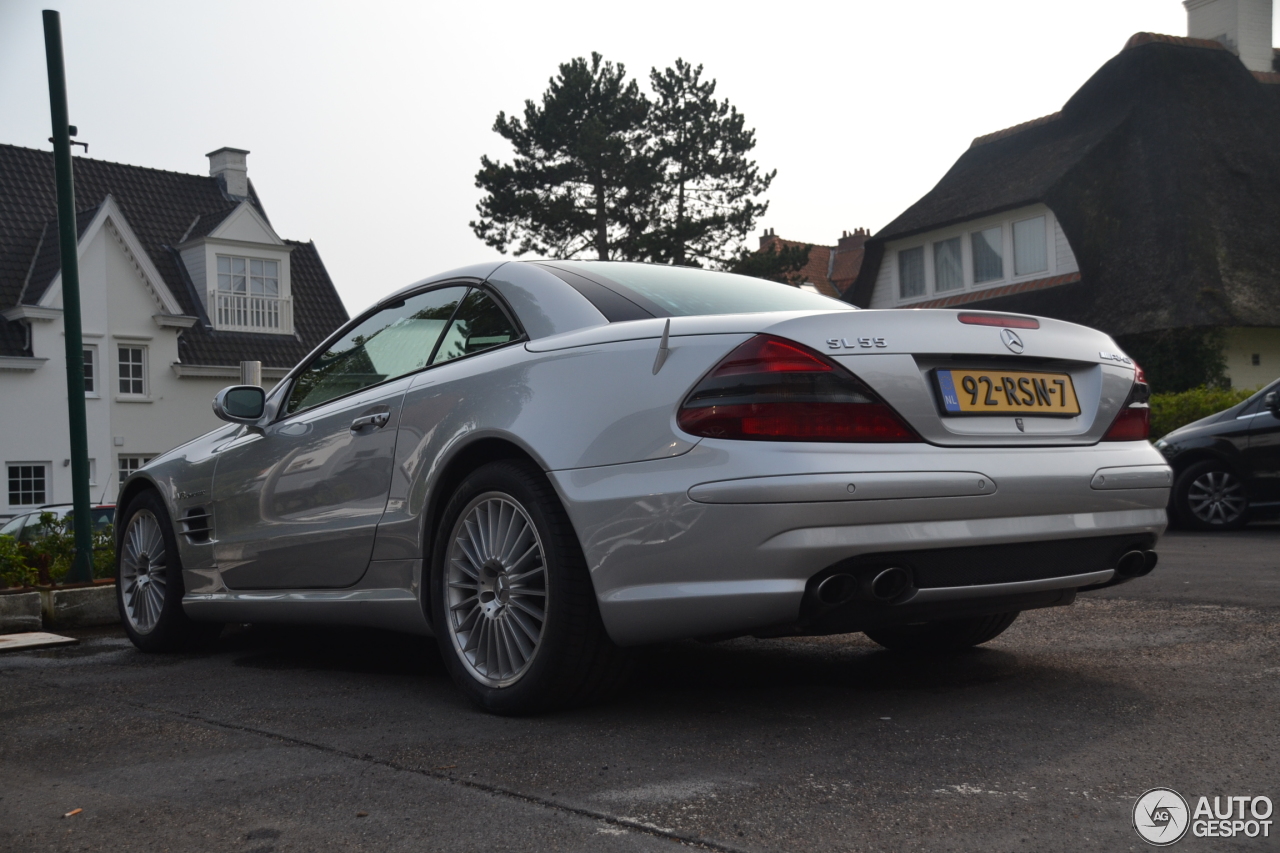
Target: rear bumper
{"x": 666, "y": 566}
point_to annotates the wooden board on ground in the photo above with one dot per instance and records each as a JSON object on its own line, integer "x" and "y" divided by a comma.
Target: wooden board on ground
{"x": 33, "y": 640}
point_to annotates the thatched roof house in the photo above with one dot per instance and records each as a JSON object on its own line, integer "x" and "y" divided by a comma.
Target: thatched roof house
{"x": 1150, "y": 202}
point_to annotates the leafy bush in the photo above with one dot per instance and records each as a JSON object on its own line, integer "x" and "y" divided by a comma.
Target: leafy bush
{"x": 46, "y": 559}
{"x": 1179, "y": 359}
{"x": 14, "y": 568}
{"x": 1170, "y": 411}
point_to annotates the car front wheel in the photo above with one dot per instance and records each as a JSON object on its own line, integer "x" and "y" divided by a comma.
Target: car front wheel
{"x": 953, "y": 635}
{"x": 1209, "y": 496}
{"x": 513, "y": 606}
{"x": 149, "y": 581}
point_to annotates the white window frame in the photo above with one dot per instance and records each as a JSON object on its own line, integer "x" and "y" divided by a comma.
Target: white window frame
{"x": 967, "y": 231}
{"x": 279, "y": 306}
{"x": 972, "y": 275}
{"x": 897, "y": 273}
{"x": 1048, "y": 241}
{"x": 48, "y": 484}
{"x": 146, "y": 371}
{"x": 142, "y": 458}
{"x": 95, "y": 363}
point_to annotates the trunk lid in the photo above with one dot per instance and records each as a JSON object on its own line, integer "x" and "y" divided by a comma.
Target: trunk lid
{"x": 898, "y": 354}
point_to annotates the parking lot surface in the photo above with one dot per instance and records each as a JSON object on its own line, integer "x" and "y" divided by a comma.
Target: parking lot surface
{"x": 297, "y": 739}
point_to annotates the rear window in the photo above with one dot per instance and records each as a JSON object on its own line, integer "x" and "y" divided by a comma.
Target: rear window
{"x": 687, "y": 291}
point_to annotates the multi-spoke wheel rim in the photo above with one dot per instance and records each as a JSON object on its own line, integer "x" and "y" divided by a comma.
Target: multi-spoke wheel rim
{"x": 497, "y": 589}
{"x": 1217, "y": 497}
{"x": 143, "y": 571}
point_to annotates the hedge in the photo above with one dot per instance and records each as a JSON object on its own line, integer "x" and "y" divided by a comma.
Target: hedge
{"x": 1170, "y": 411}
{"x": 47, "y": 558}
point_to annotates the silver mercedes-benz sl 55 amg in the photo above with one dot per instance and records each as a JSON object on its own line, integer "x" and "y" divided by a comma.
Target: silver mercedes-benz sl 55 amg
{"x": 546, "y": 464}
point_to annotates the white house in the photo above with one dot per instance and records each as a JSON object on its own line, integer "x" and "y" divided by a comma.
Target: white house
{"x": 182, "y": 277}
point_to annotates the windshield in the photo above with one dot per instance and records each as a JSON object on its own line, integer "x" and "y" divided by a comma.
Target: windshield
{"x": 686, "y": 291}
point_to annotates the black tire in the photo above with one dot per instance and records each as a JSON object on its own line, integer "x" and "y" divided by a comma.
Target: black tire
{"x": 954, "y": 635}
{"x": 572, "y": 661}
{"x": 1210, "y": 496}
{"x": 153, "y": 618}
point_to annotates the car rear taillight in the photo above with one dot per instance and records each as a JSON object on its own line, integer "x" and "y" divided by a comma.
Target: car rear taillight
{"x": 1133, "y": 423}
{"x": 773, "y": 389}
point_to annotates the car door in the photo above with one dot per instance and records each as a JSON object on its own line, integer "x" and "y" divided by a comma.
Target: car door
{"x": 297, "y": 503}
{"x": 1262, "y": 457}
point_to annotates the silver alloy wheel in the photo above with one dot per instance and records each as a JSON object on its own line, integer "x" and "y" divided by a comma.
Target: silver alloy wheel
{"x": 143, "y": 571}
{"x": 497, "y": 589}
{"x": 1217, "y": 497}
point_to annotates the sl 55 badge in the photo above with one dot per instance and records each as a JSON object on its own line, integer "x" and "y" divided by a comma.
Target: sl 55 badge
{"x": 856, "y": 343}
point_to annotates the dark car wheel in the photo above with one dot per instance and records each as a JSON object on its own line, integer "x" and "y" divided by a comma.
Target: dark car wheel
{"x": 953, "y": 635}
{"x": 149, "y": 581}
{"x": 512, "y": 603}
{"x": 1209, "y": 496}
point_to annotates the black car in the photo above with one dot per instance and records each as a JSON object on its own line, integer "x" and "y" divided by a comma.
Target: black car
{"x": 1226, "y": 467}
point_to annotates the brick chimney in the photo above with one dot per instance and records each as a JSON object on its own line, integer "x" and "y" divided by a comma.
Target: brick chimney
{"x": 1244, "y": 26}
{"x": 852, "y": 240}
{"x": 768, "y": 238}
{"x": 229, "y": 167}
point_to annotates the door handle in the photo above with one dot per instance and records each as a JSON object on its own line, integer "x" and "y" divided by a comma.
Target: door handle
{"x": 377, "y": 420}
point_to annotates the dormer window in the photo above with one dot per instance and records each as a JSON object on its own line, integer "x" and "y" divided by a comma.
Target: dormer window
{"x": 249, "y": 294}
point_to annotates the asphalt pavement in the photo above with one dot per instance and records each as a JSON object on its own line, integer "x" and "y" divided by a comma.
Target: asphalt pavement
{"x": 300, "y": 739}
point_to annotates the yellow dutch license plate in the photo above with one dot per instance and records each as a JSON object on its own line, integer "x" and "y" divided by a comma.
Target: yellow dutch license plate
{"x": 968, "y": 392}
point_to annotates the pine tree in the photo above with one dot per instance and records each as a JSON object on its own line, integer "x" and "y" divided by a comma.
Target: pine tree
{"x": 707, "y": 200}
{"x": 584, "y": 176}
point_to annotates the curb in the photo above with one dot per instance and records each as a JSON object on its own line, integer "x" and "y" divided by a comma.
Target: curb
{"x": 79, "y": 607}
{"x": 20, "y": 612}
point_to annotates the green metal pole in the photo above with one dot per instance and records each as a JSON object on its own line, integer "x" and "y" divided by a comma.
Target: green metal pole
{"x": 82, "y": 565}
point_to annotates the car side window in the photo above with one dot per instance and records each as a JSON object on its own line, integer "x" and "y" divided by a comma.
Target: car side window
{"x": 33, "y": 528}
{"x": 394, "y": 341}
{"x": 480, "y": 324}
{"x": 13, "y": 526}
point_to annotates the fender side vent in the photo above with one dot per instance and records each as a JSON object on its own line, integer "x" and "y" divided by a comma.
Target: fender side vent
{"x": 196, "y": 525}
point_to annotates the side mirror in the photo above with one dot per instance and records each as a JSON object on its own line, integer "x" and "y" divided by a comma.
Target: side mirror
{"x": 240, "y": 404}
{"x": 1272, "y": 402}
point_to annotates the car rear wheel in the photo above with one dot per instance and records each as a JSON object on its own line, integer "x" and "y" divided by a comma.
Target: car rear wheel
{"x": 1209, "y": 496}
{"x": 149, "y": 581}
{"x": 953, "y": 635}
{"x": 512, "y": 602}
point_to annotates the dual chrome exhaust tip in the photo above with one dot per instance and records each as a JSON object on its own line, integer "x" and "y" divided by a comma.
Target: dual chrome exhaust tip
{"x": 895, "y": 585}
{"x": 883, "y": 585}
{"x": 1135, "y": 564}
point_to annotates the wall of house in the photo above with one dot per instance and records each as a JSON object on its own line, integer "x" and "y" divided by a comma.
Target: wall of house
{"x": 1242, "y": 344}
{"x": 117, "y": 310}
{"x": 1060, "y": 258}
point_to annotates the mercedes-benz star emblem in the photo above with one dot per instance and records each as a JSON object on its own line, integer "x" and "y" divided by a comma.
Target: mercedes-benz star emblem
{"x": 1011, "y": 340}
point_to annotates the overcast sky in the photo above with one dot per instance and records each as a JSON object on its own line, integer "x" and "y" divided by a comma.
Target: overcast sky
{"x": 366, "y": 121}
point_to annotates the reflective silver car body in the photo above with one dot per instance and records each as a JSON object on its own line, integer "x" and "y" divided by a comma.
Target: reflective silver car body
{"x": 684, "y": 536}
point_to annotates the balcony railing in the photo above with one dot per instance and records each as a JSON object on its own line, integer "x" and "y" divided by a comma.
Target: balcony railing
{"x": 253, "y": 313}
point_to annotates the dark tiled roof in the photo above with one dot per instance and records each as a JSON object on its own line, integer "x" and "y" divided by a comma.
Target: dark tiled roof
{"x": 48, "y": 258}
{"x": 206, "y": 223}
{"x": 1160, "y": 171}
{"x": 830, "y": 269}
{"x": 161, "y": 208}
